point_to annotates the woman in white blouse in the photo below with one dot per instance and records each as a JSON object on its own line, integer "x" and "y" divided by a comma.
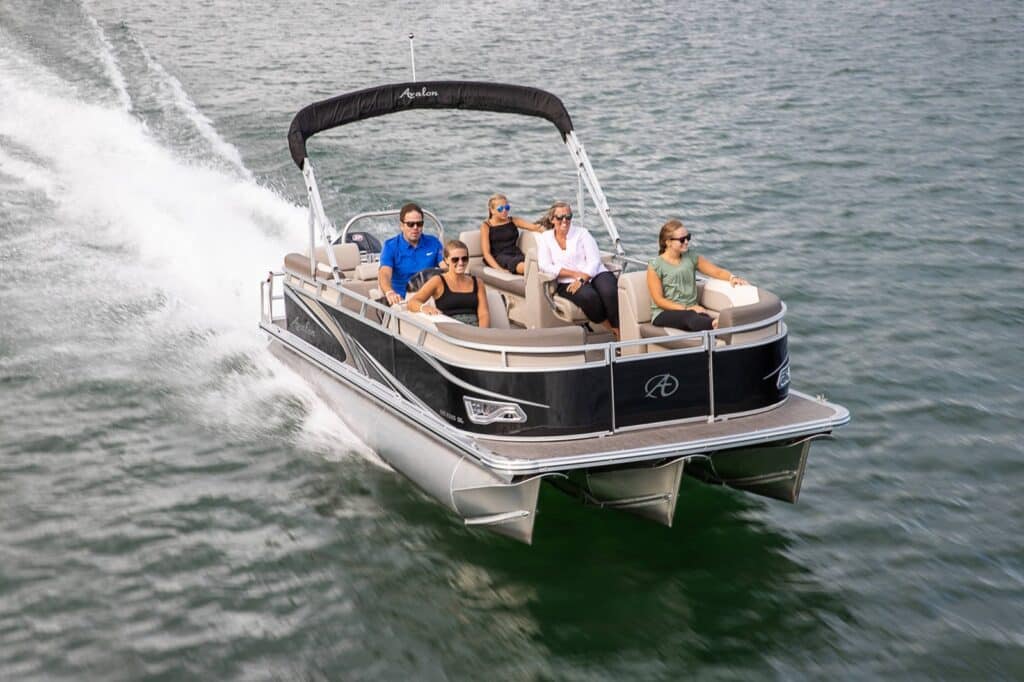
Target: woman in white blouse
{"x": 571, "y": 254}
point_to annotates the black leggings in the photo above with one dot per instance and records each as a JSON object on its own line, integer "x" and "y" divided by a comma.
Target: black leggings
{"x": 687, "y": 320}
{"x": 599, "y": 298}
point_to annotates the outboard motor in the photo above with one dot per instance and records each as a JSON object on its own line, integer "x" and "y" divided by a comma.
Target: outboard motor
{"x": 369, "y": 246}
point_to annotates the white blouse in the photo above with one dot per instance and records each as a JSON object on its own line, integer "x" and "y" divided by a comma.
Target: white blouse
{"x": 581, "y": 253}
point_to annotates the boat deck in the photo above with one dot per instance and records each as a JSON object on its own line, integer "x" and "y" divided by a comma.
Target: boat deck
{"x": 800, "y": 415}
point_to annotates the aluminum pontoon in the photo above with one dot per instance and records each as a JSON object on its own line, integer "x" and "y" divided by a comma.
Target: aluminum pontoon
{"x": 479, "y": 418}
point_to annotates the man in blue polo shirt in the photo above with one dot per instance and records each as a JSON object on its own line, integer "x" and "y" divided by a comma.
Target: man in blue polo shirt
{"x": 406, "y": 254}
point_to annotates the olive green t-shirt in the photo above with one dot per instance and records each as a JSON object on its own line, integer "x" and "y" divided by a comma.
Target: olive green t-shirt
{"x": 678, "y": 282}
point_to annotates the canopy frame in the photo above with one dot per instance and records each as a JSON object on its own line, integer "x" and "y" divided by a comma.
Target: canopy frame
{"x": 397, "y": 97}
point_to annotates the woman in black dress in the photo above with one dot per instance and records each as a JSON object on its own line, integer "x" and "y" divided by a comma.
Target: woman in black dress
{"x": 499, "y": 236}
{"x": 456, "y": 293}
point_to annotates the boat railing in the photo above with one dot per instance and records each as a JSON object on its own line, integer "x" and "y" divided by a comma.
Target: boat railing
{"x": 367, "y": 215}
{"x": 269, "y": 299}
{"x": 418, "y": 332}
{"x": 382, "y": 316}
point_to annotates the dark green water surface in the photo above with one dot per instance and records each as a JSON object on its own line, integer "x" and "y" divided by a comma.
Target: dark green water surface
{"x": 175, "y": 504}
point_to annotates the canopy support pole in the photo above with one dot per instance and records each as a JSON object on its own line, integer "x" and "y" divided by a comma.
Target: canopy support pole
{"x": 317, "y": 215}
{"x": 580, "y": 204}
{"x": 586, "y": 171}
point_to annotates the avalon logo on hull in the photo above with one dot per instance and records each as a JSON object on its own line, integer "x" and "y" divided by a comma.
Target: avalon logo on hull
{"x": 661, "y": 386}
{"x": 783, "y": 379}
{"x": 410, "y": 95}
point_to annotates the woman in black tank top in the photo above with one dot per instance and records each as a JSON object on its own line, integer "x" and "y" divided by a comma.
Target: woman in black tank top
{"x": 499, "y": 236}
{"x": 460, "y": 305}
{"x": 456, "y": 294}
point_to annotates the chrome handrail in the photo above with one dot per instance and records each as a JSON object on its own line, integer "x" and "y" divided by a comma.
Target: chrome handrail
{"x": 267, "y": 297}
{"x": 384, "y": 214}
{"x": 405, "y": 316}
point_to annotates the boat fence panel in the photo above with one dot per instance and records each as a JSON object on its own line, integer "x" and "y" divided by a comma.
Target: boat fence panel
{"x": 678, "y": 379}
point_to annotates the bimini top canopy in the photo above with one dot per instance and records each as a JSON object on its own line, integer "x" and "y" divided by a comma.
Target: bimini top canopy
{"x": 389, "y": 99}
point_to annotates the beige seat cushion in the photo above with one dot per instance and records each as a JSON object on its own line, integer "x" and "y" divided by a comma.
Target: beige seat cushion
{"x": 507, "y": 341}
{"x": 511, "y": 338}
{"x": 503, "y": 280}
{"x": 651, "y": 331}
{"x": 471, "y": 238}
{"x": 297, "y": 263}
{"x": 768, "y": 305}
{"x": 497, "y": 310}
{"x": 507, "y": 282}
{"x": 527, "y": 240}
{"x": 567, "y": 310}
{"x": 347, "y": 256}
{"x": 366, "y": 272}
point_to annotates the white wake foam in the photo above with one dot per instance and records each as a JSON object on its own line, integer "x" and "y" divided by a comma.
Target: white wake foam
{"x": 200, "y": 237}
{"x": 202, "y": 123}
{"x": 113, "y": 71}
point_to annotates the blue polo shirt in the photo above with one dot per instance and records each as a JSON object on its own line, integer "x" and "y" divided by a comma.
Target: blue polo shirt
{"x": 405, "y": 260}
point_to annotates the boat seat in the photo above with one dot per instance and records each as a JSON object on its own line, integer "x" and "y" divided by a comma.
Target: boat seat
{"x": 543, "y": 309}
{"x": 471, "y": 238}
{"x": 511, "y": 286}
{"x": 719, "y": 297}
{"x": 495, "y": 306}
{"x": 635, "y": 317}
{"x": 503, "y": 280}
{"x": 364, "y": 289}
{"x": 298, "y": 264}
{"x": 564, "y": 309}
{"x": 497, "y": 281}
{"x": 739, "y": 305}
{"x": 766, "y": 306}
{"x": 347, "y": 256}
{"x": 366, "y": 272}
{"x": 653, "y": 331}
{"x": 497, "y": 310}
{"x": 510, "y": 339}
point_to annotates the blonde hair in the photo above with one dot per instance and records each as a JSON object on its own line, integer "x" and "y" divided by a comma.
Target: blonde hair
{"x": 666, "y": 231}
{"x": 491, "y": 200}
{"x": 546, "y": 219}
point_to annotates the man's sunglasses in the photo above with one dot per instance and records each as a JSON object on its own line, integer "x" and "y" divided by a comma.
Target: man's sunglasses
{"x": 567, "y": 216}
{"x": 459, "y": 259}
{"x": 413, "y": 223}
{"x": 503, "y": 208}
{"x": 685, "y": 238}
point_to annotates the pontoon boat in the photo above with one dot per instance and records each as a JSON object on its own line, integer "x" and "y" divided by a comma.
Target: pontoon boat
{"x": 479, "y": 418}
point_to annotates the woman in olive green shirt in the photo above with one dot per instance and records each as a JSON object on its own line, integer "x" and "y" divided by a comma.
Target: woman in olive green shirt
{"x": 672, "y": 281}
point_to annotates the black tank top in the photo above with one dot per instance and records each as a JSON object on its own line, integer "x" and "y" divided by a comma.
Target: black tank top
{"x": 453, "y": 303}
{"x": 504, "y": 238}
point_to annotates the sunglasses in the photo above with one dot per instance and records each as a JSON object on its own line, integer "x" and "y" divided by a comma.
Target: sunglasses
{"x": 502, "y": 209}
{"x": 459, "y": 259}
{"x": 567, "y": 216}
{"x": 413, "y": 223}
{"x": 685, "y": 238}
